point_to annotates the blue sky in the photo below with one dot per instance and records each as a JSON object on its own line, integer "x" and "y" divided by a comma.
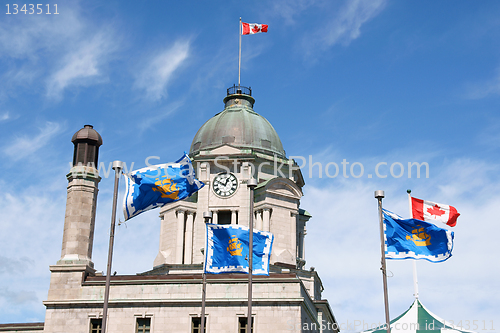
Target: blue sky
{"x": 366, "y": 81}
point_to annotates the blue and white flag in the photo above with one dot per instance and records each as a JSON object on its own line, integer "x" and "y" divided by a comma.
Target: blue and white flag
{"x": 228, "y": 247}
{"x": 157, "y": 185}
{"x": 415, "y": 239}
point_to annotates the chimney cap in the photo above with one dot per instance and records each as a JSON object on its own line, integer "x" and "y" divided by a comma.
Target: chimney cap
{"x": 87, "y": 133}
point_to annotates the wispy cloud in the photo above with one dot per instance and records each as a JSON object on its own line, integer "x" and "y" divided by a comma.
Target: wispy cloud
{"x": 72, "y": 48}
{"x": 24, "y": 279}
{"x": 346, "y": 25}
{"x": 158, "y": 117}
{"x": 156, "y": 75}
{"x": 14, "y": 266}
{"x": 26, "y": 145}
{"x": 4, "y": 116}
{"x": 82, "y": 66}
{"x": 288, "y": 9}
{"x": 484, "y": 89}
{"x": 18, "y": 297}
{"x": 38, "y": 33}
{"x": 355, "y": 270}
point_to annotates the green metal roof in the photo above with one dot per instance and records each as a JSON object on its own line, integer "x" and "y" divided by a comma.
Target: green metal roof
{"x": 304, "y": 212}
{"x": 238, "y": 125}
{"x": 417, "y": 319}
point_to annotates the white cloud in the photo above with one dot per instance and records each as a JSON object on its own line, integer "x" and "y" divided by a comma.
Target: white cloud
{"x": 58, "y": 50}
{"x": 18, "y": 297}
{"x": 484, "y": 89}
{"x": 343, "y": 244}
{"x": 30, "y": 242}
{"x": 345, "y": 26}
{"x": 14, "y": 266}
{"x": 288, "y": 9}
{"x": 82, "y": 66}
{"x": 4, "y": 116}
{"x": 155, "y": 119}
{"x": 24, "y": 38}
{"x": 154, "y": 78}
{"x": 27, "y": 145}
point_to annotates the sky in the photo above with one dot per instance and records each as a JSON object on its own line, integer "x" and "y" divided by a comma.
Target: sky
{"x": 366, "y": 81}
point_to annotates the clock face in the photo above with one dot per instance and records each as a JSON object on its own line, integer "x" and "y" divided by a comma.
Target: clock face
{"x": 225, "y": 184}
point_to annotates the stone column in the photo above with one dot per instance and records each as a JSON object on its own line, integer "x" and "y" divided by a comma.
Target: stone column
{"x": 188, "y": 243}
{"x": 293, "y": 234}
{"x": 79, "y": 221}
{"x": 215, "y": 219}
{"x": 233, "y": 216}
{"x": 180, "y": 237}
{"x": 258, "y": 220}
{"x": 266, "y": 213}
{"x": 304, "y": 244}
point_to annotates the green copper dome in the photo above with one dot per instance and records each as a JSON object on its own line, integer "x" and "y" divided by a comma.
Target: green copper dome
{"x": 238, "y": 125}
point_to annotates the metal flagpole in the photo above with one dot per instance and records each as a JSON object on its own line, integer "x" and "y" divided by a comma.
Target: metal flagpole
{"x": 415, "y": 279}
{"x": 117, "y": 166}
{"x": 380, "y": 195}
{"x": 208, "y": 218}
{"x": 251, "y": 184}
{"x": 239, "y": 61}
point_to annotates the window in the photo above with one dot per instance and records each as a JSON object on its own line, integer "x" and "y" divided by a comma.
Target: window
{"x": 196, "y": 324}
{"x": 224, "y": 217}
{"x": 143, "y": 325}
{"x": 243, "y": 325}
{"x": 95, "y": 325}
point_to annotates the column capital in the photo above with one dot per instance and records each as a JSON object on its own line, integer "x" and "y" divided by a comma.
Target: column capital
{"x": 83, "y": 172}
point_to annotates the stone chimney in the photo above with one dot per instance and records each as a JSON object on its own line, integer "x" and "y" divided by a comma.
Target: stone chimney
{"x": 83, "y": 180}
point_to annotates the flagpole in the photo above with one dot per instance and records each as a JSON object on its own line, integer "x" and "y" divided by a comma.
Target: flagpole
{"x": 379, "y": 195}
{"x": 208, "y": 218}
{"x": 239, "y": 61}
{"x": 251, "y": 184}
{"x": 117, "y": 166}
{"x": 415, "y": 278}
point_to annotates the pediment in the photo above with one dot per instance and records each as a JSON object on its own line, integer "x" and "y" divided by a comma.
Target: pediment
{"x": 283, "y": 187}
{"x": 225, "y": 150}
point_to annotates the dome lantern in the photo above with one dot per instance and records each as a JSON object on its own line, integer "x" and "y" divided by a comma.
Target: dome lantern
{"x": 238, "y": 125}
{"x": 87, "y": 142}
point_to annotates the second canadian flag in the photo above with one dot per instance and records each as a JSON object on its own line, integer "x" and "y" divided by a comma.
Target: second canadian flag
{"x": 252, "y": 28}
{"x": 430, "y": 211}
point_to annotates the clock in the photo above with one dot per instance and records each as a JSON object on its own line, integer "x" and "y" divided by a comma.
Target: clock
{"x": 225, "y": 184}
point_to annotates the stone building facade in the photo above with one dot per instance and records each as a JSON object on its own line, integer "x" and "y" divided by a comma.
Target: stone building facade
{"x": 228, "y": 149}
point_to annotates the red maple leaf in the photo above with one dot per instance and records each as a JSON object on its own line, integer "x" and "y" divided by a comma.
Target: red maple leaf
{"x": 435, "y": 210}
{"x": 255, "y": 29}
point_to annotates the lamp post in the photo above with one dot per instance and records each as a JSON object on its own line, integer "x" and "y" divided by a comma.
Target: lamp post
{"x": 379, "y": 195}
{"x": 251, "y": 184}
{"x": 117, "y": 166}
{"x": 208, "y": 218}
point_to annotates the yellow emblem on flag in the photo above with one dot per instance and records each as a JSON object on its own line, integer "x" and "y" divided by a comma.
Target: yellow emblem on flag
{"x": 167, "y": 188}
{"x": 419, "y": 237}
{"x": 234, "y": 247}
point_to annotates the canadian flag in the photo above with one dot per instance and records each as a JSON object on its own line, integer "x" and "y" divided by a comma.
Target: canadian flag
{"x": 252, "y": 28}
{"x": 430, "y": 211}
